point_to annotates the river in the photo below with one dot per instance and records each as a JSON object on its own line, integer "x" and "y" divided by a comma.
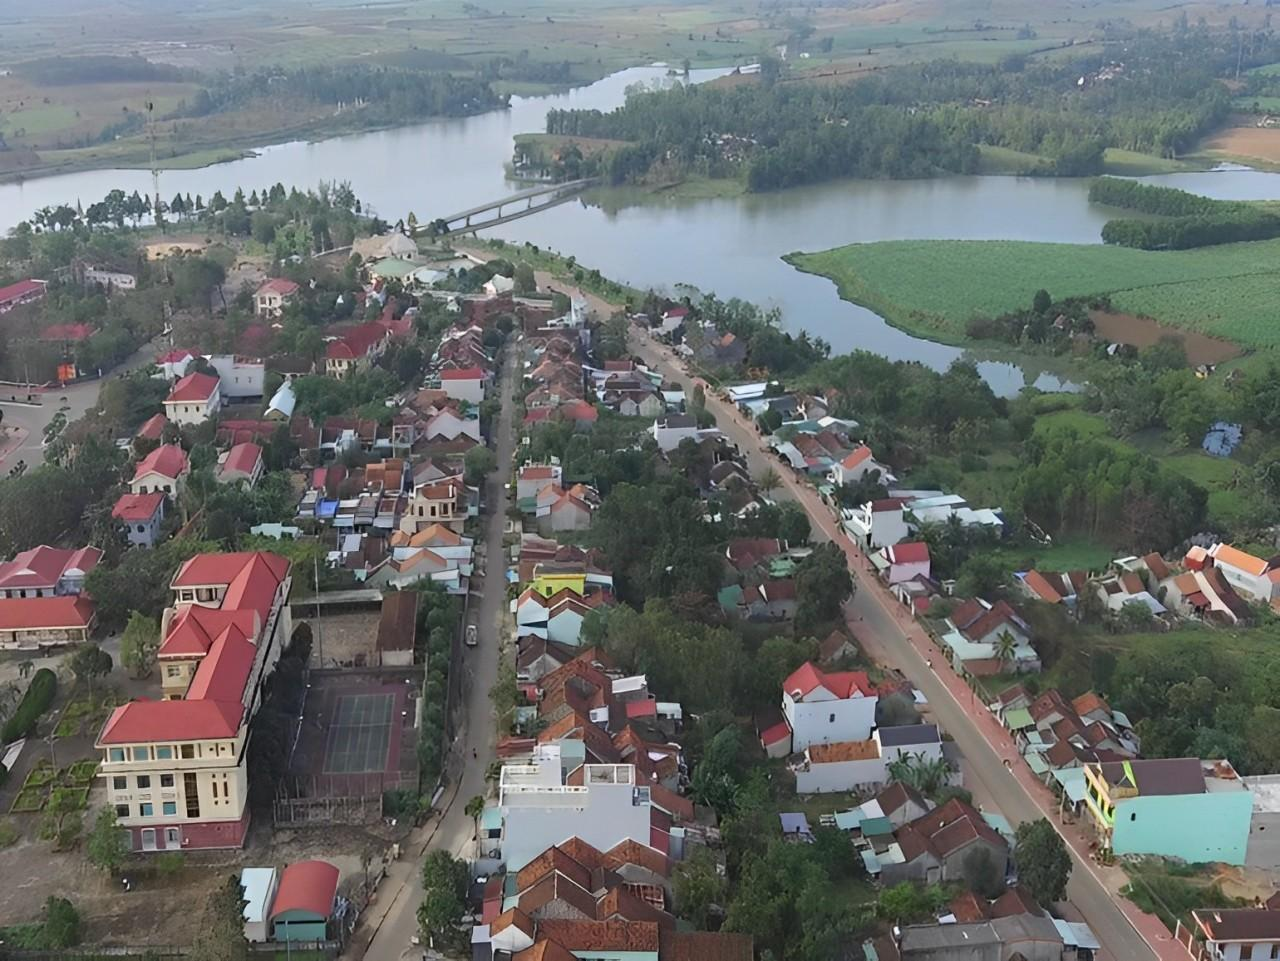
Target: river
{"x": 731, "y": 246}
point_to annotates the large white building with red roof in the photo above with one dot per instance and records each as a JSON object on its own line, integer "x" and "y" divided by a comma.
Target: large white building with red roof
{"x": 194, "y": 399}
{"x": 270, "y": 299}
{"x": 47, "y": 571}
{"x": 175, "y": 768}
{"x": 357, "y": 348}
{"x": 823, "y": 707}
{"x": 141, "y": 516}
{"x": 464, "y": 383}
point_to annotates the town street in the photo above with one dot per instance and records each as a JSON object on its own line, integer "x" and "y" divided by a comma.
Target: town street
{"x": 392, "y": 918}
{"x": 890, "y": 637}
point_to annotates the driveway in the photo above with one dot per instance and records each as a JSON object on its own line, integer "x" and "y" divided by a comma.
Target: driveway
{"x": 892, "y": 638}
{"x": 451, "y": 830}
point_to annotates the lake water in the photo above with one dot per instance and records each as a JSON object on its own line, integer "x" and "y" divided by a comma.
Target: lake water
{"x": 730, "y": 246}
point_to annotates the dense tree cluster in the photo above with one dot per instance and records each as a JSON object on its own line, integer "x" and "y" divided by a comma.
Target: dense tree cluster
{"x": 922, "y": 119}
{"x": 1186, "y": 219}
{"x": 1069, "y": 483}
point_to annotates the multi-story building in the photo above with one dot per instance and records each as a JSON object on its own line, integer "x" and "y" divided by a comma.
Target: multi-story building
{"x": 825, "y": 708}
{"x": 1232, "y": 934}
{"x": 175, "y": 768}
{"x": 194, "y": 399}
{"x": 1172, "y": 807}
{"x": 553, "y": 798}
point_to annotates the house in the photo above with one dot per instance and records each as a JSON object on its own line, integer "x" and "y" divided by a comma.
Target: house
{"x": 825, "y": 707}
{"x": 464, "y": 383}
{"x": 532, "y": 480}
{"x": 23, "y": 292}
{"x": 498, "y": 284}
{"x": 273, "y": 295}
{"x": 1172, "y": 807}
{"x": 434, "y": 552}
{"x": 47, "y": 571}
{"x": 1029, "y": 937}
{"x": 447, "y": 503}
{"x": 242, "y": 464}
{"x": 985, "y": 639}
{"x": 448, "y": 426}
{"x": 283, "y": 401}
{"x": 673, "y": 319}
{"x": 905, "y": 562}
{"x": 259, "y": 886}
{"x": 542, "y": 804}
{"x": 901, "y": 804}
{"x": 566, "y": 510}
{"x": 1205, "y": 594}
{"x": 771, "y": 600}
{"x": 669, "y": 431}
{"x": 194, "y": 399}
{"x": 860, "y": 765}
{"x": 936, "y": 847}
{"x": 1231, "y": 934}
{"x": 1252, "y": 577}
{"x": 109, "y": 280}
{"x": 165, "y": 470}
{"x": 391, "y": 244}
{"x": 557, "y": 617}
{"x": 1053, "y": 587}
{"x": 32, "y": 623}
{"x": 175, "y": 768}
{"x": 152, "y": 428}
{"x": 66, "y": 334}
{"x": 837, "y": 646}
{"x": 635, "y": 403}
{"x": 856, "y": 465}
{"x": 722, "y": 350}
{"x": 304, "y": 902}
{"x": 239, "y": 378}
{"x": 173, "y": 364}
{"x": 877, "y": 524}
{"x": 355, "y": 349}
{"x": 141, "y": 515}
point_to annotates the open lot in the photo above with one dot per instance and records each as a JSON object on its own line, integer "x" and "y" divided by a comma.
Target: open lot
{"x": 1248, "y": 142}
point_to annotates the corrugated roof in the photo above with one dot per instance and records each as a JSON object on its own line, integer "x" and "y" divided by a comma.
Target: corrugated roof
{"x": 308, "y": 886}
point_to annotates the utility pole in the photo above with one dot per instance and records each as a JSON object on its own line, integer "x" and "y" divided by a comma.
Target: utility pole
{"x": 155, "y": 171}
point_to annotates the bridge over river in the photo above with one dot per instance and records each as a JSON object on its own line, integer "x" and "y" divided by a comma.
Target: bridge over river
{"x": 526, "y": 204}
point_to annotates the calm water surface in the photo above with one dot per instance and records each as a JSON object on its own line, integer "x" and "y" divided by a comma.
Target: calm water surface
{"x": 730, "y": 246}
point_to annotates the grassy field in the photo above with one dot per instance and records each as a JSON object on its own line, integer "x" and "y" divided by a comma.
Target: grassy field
{"x": 1116, "y": 162}
{"x": 1229, "y": 291}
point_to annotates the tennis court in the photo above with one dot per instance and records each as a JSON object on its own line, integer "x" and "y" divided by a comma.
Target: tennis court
{"x": 359, "y": 734}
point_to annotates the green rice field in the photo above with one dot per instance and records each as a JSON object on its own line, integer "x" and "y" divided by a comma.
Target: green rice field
{"x": 1230, "y": 291}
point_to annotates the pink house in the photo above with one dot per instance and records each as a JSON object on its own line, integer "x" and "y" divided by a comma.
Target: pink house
{"x": 904, "y": 562}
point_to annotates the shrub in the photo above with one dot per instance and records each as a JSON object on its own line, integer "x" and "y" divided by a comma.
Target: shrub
{"x": 40, "y": 692}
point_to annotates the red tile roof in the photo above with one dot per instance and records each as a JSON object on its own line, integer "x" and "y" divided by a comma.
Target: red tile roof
{"x": 195, "y": 628}
{"x": 463, "y": 373}
{"x": 913, "y": 552}
{"x": 705, "y": 946}
{"x": 204, "y": 570}
{"x": 278, "y": 285}
{"x": 356, "y": 342}
{"x": 306, "y": 886}
{"x": 137, "y": 507}
{"x": 597, "y": 936}
{"x": 775, "y": 733}
{"x": 242, "y": 459}
{"x": 843, "y": 684}
{"x": 23, "y": 288}
{"x": 167, "y": 460}
{"x": 35, "y": 613}
{"x": 44, "y": 566}
{"x": 856, "y": 456}
{"x": 194, "y": 387}
{"x": 1041, "y": 587}
{"x": 968, "y": 907}
{"x": 138, "y": 722}
{"x": 74, "y": 332}
{"x": 153, "y": 427}
{"x": 223, "y": 672}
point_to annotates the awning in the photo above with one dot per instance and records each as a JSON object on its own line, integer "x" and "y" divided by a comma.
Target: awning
{"x": 1035, "y": 761}
{"x": 1071, "y": 780}
{"x": 1077, "y": 934}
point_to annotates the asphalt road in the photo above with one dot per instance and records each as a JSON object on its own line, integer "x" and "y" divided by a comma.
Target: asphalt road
{"x": 79, "y": 398}
{"x": 877, "y": 616}
{"x": 451, "y": 829}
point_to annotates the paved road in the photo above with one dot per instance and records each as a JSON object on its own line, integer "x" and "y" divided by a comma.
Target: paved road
{"x": 892, "y": 638}
{"x": 79, "y": 398}
{"x": 394, "y": 915}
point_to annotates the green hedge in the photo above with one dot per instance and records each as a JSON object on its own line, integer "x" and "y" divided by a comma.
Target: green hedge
{"x": 40, "y": 692}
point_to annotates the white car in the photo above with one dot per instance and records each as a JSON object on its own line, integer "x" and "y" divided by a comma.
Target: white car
{"x": 471, "y": 636}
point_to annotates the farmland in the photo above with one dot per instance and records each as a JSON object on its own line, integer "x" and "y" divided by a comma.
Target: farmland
{"x": 1229, "y": 291}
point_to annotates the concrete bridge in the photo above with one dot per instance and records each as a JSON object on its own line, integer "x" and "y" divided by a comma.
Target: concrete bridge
{"x": 526, "y": 203}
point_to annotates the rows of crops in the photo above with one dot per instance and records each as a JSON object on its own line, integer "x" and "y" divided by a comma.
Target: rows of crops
{"x": 1229, "y": 291}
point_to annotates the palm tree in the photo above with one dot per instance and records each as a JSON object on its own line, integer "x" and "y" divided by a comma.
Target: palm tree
{"x": 475, "y": 808}
{"x": 1006, "y": 647}
{"x": 916, "y": 771}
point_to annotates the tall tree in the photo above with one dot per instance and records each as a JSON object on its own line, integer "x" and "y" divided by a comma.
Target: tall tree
{"x": 89, "y": 663}
{"x": 823, "y": 584}
{"x": 444, "y": 888}
{"x": 1044, "y": 864}
{"x": 139, "y": 644}
{"x": 106, "y": 846}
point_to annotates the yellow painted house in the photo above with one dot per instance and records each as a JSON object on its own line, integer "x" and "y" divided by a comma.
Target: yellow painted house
{"x": 549, "y": 578}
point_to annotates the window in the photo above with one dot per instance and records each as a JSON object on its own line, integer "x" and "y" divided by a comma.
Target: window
{"x": 120, "y": 783}
{"x": 1246, "y": 952}
{"x": 831, "y": 719}
{"x": 142, "y": 529}
{"x": 188, "y": 751}
{"x": 170, "y": 808}
{"x": 122, "y": 810}
{"x": 164, "y": 753}
{"x": 214, "y": 783}
{"x": 174, "y": 670}
{"x": 1133, "y": 815}
{"x": 146, "y": 810}
{"x": 115, "y": 754}
{"x": 192, "y": 793}
{"x": 144, "y": 782}
{"x": 166, "y": 780}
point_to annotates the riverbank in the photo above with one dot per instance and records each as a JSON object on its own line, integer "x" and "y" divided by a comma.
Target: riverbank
{"x": 1223, "y": 292}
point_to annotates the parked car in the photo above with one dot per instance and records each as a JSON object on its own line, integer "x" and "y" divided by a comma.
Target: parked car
{"x": 471, "y": 636}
